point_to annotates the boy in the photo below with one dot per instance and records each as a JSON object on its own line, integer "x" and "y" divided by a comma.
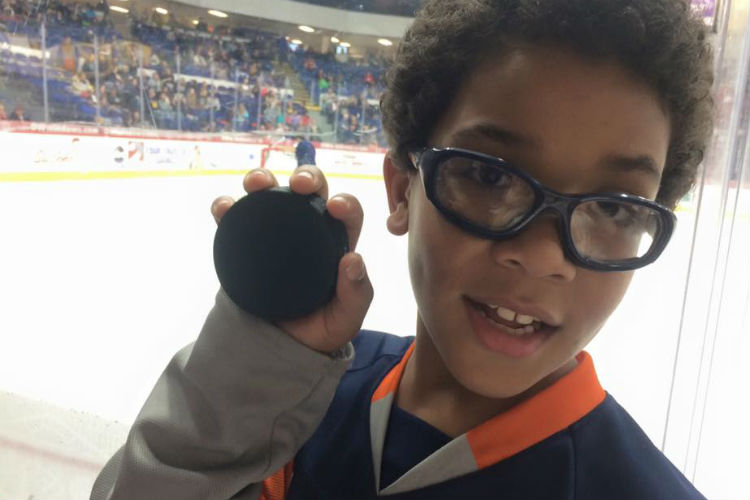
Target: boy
{"x": 528, "y": 142}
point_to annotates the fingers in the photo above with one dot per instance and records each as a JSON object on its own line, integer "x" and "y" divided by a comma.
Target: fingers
{"x": 345, "y": 207}
{"x": 348, "y": 210}
{"x": 354, "y": 293}
{"x": 220, "y": 206}
{"x": 308, "y": 179}
{"x": 258, "y": 179}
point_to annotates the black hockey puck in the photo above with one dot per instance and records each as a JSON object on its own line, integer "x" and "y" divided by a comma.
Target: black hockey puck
{"x": 277, "y": 252}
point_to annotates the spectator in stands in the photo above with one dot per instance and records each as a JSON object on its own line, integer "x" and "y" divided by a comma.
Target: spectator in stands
{"x": 213, "y": 102}
{"x": 323, "y": 83}
{"x": 104, "y": 107}
{"x": 330, "y": 108}
{"x": 105, "y": 65}
{"x": 87, "y": 65}
{"x": 3, "y": 114}
{"x": 116, "y": 75}
{"x": 112, "y": 95}
{"x": 203, "y": 97}
{"x": 242, "y": 118}
{"x": 198, "y": 59}
{"x": 81, "y": 86}
{"x": 354, "y": 128}
{"x": 68, "y": 55}
{"x": 272, "y": 112}
{"x": 164, "y": 102}
{"x": 19, "y": 114}
{"x": 192, "y": 99}
{"x": 153, "y": 100}
{"x": 130, "y": 93}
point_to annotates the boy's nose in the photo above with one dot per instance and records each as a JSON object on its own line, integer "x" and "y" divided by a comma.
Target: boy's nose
{"x": 537, "y": 251}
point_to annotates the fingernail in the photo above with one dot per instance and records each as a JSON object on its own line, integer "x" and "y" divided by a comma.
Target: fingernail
{"x": 219, "y": 202}
{"x": 307, "y": 175}
{"x": 356, "y": 270}
{"x": 340, "y": 199}
{"x": 259, "y": 174}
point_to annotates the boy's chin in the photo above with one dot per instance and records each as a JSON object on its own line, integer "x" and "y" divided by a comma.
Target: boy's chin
{"x": 488, "y": 386}
{"x": 510, "y": 382}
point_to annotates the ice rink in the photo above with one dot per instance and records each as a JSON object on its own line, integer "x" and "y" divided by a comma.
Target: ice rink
{"x": 102, "y": 281}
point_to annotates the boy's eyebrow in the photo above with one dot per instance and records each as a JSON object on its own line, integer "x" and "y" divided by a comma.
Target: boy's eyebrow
{"x": 641, "y": 163}
{"x": 494, "y": 133}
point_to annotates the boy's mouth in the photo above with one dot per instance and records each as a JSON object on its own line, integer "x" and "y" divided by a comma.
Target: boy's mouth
{"x": 513, "y": 333}
{"x": 510, "y": 321}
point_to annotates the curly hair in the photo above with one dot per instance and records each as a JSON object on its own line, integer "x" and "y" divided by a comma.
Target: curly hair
{"x": 658, "y": 41}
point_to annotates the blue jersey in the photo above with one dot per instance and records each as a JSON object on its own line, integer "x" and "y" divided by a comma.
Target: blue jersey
{"x": 571, "y": 440}
{"x": 305, "y": 153}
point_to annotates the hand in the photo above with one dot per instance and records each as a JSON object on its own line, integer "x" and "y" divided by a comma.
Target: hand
{"x": 332, "y": 326}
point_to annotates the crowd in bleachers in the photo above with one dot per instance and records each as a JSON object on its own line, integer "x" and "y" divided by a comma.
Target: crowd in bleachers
{"x": 169, "y": 76}
{"x": 347, "y": 93}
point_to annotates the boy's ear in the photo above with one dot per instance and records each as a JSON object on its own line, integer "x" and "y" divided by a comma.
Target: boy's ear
{"x": 397, "y": 186}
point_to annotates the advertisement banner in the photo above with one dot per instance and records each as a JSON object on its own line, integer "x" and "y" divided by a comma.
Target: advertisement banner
{"x": 37, "y": 151}
{"x": 31, "y": 152}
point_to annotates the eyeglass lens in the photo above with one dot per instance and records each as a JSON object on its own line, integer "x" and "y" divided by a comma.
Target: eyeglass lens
{"x": 494, "y": 198}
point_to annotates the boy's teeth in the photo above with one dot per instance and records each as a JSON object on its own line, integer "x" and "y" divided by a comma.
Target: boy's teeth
{"x": 524, "y": 320}
{"x": 513, "y": 331}
{"x": 506, "y": 314}
{"x": 511, "y": 315}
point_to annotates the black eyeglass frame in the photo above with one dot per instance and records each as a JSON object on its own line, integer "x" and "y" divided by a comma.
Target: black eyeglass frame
{"x": 427, "y": 160}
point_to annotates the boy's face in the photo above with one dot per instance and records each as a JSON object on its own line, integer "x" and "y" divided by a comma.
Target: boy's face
{"x": 563, "y": 119}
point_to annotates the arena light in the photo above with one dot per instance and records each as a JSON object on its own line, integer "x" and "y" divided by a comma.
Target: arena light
{"x": 161, "y": 10}
{"x": 385, "y": 42}
{"x": 335, "y": 40}
{"x": 306, "y": 29}
{"x": 117, "y": 8}
{"x": 195, "y": 22}
{"x": 345, "y": 44}
{"x": 297, "y": 41}
{"x": 218, "y": 13}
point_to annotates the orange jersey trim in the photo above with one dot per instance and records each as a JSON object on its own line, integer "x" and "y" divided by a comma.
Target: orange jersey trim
{"x": 534, "y": 420}
{"x": 276, "y": 486}
{"x": 390, "y": 382}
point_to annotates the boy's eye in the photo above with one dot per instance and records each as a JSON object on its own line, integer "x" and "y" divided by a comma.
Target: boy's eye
{"x": 608, "y": 207}
{"x": 621, "y": 213}
{"x": 487, "y": 174}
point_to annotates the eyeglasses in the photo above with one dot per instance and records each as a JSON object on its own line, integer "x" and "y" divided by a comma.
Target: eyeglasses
{"x": 488, "y": 197}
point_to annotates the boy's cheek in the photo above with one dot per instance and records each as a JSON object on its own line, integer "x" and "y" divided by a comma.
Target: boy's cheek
{"x": 594, "y": 298}
{"x": 438, "y": 251}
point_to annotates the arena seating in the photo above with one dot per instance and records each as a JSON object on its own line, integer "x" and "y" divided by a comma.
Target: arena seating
{"x": 191, "y": 80}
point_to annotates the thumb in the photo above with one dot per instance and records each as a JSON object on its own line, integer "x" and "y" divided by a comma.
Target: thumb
{"x": 338, "y": 321}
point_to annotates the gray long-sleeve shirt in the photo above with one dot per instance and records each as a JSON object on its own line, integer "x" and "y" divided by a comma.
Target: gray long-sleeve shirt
{"x": 229, "y": 410}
